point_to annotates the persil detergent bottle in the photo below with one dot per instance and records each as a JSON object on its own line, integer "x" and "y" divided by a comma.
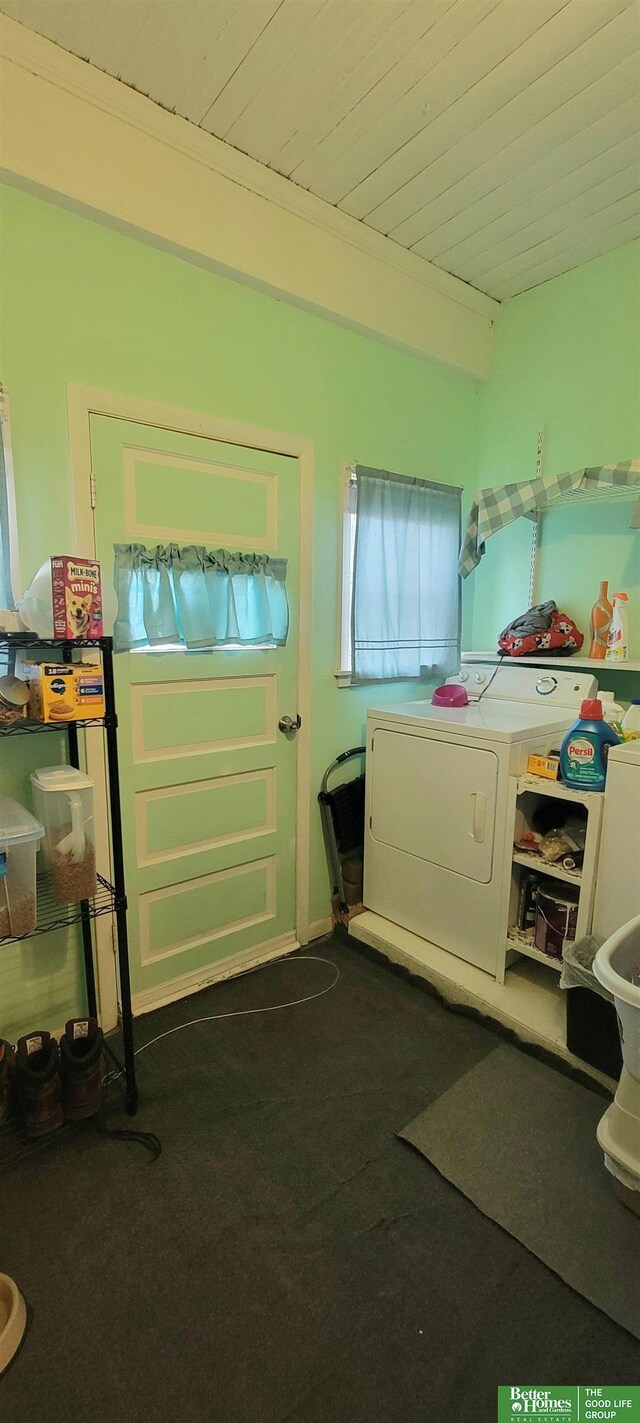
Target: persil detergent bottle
{"x": 584, "y": 751}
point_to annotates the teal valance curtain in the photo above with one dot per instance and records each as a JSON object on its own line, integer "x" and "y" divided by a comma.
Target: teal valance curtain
{"x": 198, "y": 597}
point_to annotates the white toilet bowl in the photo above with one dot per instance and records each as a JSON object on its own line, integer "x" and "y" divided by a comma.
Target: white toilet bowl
{"x": 617, "y": 968}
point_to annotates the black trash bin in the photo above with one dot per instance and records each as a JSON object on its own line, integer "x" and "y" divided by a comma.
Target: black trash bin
{"x": 592, "y": 1031}
{"x": 592, "y": 1021}
{"x": 342, "y": 812}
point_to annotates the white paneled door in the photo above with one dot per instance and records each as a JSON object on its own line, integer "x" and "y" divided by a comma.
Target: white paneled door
{"x": 208, "y": 780}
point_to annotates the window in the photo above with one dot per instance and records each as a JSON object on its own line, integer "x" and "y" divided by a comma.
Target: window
{"x": 400, "y": 605}
{"x": 9, "y": 578}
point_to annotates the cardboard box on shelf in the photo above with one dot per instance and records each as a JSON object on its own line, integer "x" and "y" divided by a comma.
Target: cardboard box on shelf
{"x": 546, "y": 766}
{"x": 76, "y": 588}
{"x": 65, "y": 691}
{"x": 52, "y": 695}
{"x": 89, "y": 690}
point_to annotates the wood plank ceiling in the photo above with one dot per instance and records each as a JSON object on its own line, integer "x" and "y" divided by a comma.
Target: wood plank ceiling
{"x": 497, "y": 138}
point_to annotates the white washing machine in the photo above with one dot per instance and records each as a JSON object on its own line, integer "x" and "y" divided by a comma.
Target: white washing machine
{"x": 438, "y": 801}
{"x": 616, "y": 918}
{"x": 618, "y": 886}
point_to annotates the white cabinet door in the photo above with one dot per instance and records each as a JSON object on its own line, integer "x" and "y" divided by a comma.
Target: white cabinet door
{"x": 435, "y": 800}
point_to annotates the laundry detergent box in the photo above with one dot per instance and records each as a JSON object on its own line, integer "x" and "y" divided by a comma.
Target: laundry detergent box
{"x": 76, "y": 588}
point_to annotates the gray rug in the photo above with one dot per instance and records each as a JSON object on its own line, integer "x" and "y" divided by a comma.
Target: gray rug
{"x": 519, "y": 1139}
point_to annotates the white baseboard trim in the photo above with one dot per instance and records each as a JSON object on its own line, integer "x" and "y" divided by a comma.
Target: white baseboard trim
{"x": 151, "y": 998}
{"x": 320, "y": 927}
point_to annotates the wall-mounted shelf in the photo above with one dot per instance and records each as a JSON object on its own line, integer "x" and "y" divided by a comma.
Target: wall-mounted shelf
{"x": 593, "y": 664}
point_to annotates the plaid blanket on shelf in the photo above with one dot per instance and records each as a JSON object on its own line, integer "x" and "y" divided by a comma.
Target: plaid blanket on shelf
{"x": 493, "y": 508}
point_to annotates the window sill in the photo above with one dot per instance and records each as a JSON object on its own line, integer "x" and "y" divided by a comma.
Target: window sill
{"x": 165, "y": 647}
{"x": 346, "y": 679}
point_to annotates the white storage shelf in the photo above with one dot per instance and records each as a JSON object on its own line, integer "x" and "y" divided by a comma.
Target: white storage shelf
{"x": 529, "y": 789}
{"x": 536, "y": 862}
{"x": 518, "y": 942}
{"x": 557, "y": 790}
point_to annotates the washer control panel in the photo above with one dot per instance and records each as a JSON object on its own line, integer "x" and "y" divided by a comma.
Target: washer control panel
{"x": 508, "y": 681}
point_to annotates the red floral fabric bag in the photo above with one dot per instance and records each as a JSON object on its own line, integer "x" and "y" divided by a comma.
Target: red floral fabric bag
{"x": 541, "y": 629}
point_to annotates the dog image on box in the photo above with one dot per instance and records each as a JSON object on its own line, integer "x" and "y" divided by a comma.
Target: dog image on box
{"x": 79, "y": 612}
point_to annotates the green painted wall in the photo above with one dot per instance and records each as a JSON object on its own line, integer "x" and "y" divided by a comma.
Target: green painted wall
{"x": 84, "y": 304}
{"x": 566, "y": 361}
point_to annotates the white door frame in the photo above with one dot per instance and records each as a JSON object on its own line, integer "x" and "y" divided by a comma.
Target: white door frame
{"x": 83, "y": 402}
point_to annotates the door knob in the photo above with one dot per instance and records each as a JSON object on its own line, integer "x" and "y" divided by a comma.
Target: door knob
{"x": 287, "y": 724}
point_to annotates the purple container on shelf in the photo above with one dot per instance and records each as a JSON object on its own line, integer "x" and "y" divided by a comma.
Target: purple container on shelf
{"x": 556, "y": 917}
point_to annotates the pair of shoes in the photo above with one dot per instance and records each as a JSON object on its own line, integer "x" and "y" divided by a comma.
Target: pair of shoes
{"x": 51, "y": 1086}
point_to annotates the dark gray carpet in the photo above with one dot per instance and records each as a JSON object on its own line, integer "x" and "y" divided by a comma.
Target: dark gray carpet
{"x": 519, "y": 1139}
{"x": 287, "y": 1260}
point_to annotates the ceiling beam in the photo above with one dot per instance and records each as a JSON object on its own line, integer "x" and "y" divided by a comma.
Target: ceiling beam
{"x": 80, "y": 138}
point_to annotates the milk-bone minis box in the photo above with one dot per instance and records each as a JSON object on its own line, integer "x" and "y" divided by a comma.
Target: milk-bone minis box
{"x": 76, "y": 587}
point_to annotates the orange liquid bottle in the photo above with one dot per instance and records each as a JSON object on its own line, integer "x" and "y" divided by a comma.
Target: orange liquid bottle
{"x": 601, "y": 614}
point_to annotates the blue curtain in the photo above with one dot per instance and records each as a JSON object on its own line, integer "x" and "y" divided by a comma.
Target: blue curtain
{"x": 405, "y": 607}
{"x": 198, "y": 597}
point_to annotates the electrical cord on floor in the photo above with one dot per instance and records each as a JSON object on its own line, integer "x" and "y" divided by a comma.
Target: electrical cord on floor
{"x": 243, "y": 1012}
{"x": 247, "y": 1012}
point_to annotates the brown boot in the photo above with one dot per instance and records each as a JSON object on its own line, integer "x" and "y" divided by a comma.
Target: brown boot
{"x": 38, "y": 1083}
{"x": 81, "y": 1068}
{"x": 7, "y": 1064}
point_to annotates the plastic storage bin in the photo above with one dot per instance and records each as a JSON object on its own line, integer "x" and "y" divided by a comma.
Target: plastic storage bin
{"x": 617, "y": 968}
{"x": 63, "y": 800}
{"x": 20, "y": 835}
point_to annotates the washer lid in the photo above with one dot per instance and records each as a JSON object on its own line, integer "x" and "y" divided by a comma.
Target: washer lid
{"x": 627, "y": 751}
{"x": 489, "y": 720}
